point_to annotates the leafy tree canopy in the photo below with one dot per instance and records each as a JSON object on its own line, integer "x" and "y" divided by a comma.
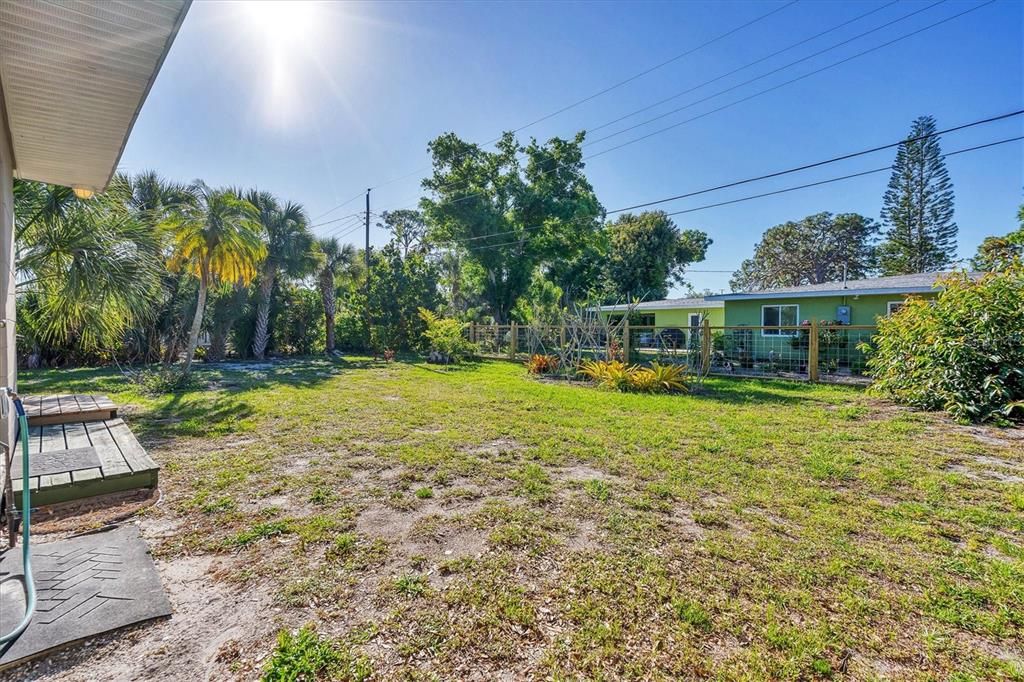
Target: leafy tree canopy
{"x": 1001, "y": 253}
{"x": 407, "y": 229}
{"x": 647, "y": 253}
{"x": 398, "y": 287}
{"x": 507, "y": 217}
{"x": 810, "y": 251}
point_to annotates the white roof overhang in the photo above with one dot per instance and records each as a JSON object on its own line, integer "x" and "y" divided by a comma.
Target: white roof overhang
{"x": 74, "y": 76}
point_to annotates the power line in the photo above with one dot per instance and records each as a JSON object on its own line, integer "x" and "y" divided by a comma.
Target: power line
{"x": 816, "y": 164}
{"x": 591, "y": 129}
{"x": 784, "y": 190}
{"x": 790, "y": 82}
{"x": 355, "y": 227}
{"x": 788, "y": 171}
{"x": 751, "y": 80}
{"x": 756, "y": 94}
{"x": 605, "y": 90}
{"x": 729, "y": 73}
{"x": 653, "y": 68}
{"x": 335, "y": 220}
{"x": 831, "y": 180}
{"x": 344, "y": 203}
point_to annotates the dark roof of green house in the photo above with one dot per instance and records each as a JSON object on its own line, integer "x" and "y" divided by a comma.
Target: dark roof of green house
{"x": 919, "y": 283}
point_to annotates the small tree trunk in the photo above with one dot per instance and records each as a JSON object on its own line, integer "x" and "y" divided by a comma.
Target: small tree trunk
{"x": 260, "y": 336}
{"x": 197, "y": 323}
{"x": 219, "y": 339}
{"x": 151, "y": 352}
{"x": 329, "y": 298}
{"x": 329, "y": 321}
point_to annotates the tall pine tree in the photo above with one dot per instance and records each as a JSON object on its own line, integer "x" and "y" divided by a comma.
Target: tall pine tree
{"x": 917, "y": 210}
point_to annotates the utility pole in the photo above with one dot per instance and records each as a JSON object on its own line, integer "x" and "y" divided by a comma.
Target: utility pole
{"x": 366, "y": 253}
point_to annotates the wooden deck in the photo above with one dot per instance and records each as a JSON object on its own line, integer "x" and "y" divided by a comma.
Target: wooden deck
{"x": 62, "y": 409}
{"x": 71, "y": 461}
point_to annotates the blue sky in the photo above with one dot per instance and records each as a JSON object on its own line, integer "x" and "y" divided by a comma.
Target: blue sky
{"x": 318, "y": 102}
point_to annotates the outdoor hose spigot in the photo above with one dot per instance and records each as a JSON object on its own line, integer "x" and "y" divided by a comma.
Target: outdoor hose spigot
{"x": 12, "y": 395}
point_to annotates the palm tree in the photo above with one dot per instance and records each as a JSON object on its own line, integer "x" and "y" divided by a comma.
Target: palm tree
{"x": 152, "y": 198}
{"x": 334, "y": 256}
{"x": 290, "y": 253}
{"x": 85, "y": 275}
{"x": 216, "y": 237}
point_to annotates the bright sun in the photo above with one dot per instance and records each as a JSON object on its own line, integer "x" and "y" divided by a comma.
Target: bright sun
{"x": 285, "y": 43}
{"x": 284, "y": 23}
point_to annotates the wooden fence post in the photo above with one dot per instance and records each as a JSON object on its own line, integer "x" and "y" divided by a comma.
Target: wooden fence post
{"x": 705, "y": 346}
{"x": 561, "y": 336}
{"x": 625, "y": 342}
{"x": 515, "y": 340}
{"x": 812, "y": 352}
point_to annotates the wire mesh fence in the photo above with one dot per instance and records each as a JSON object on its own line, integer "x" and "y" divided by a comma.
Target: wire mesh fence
{"x": 810, "y": 352}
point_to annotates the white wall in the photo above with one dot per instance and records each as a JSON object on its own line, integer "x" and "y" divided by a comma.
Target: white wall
{"x": 8, "y": 361}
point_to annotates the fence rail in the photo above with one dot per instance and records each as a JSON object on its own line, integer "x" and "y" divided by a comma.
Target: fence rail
{"x": 811, "y": 352}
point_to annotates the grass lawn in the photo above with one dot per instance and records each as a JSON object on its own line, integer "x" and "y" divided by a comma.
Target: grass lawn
{"x": 477, "y": 523}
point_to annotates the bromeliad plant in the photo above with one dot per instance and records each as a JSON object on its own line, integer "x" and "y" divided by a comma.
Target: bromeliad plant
{"x": 618, "y": 376}
{"x": 542, "y": 364}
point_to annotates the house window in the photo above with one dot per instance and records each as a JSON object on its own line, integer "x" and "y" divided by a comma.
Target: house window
{"x": 645, "y": 320}
{"x": 780, "y": 316}
{"x": 694, "y": 320}
{"x": 893, "y": 306}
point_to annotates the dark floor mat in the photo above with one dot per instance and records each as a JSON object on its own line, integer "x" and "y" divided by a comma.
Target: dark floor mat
{"x": 57, "y": 462}
{"x": 86, "y": 586}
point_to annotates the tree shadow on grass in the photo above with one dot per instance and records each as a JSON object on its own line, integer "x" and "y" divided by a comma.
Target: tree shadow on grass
{"x": 455, "y": 369}
{"x": 746, "y": 391}
{"x": 188, "y": 414}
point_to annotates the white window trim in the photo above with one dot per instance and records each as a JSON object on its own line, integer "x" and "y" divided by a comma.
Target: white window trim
{"x": 782, "y": 332}
{"x": 890, "y": 304}
{"x": 689, "y": 320}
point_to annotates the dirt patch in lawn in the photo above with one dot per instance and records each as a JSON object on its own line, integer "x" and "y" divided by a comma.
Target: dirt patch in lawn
{"x": 496, "y": 448}
{"x": 982, "y": 474}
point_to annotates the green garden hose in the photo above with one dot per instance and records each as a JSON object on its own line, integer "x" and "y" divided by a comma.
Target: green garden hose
{"x": 26, "y": 555}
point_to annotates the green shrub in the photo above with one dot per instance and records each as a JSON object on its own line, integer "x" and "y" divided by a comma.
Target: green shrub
{"x": 446, "y": 336}
{"x": 963, "y": 353}
{"x": 166, "y": 380}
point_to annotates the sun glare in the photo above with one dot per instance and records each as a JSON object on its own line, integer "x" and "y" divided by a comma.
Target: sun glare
{"x": 285, "y": 44}
{"x": 285, "y": 24}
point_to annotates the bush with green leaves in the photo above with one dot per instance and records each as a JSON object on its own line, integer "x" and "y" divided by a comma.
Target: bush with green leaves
{"x": 156, "y": 382}
{"x": 962, "y": 353}
{"x": 446, "y": 336}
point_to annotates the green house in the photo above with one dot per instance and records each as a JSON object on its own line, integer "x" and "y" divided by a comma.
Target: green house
{"x": 856, "y": 302}
{"x": 679, "y": 313}
{"x": 764, "y": 332}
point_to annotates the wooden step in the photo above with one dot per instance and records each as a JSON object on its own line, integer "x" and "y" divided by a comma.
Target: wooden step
{"x": 99, "y": 457}
{"x": 67, "y": 407}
